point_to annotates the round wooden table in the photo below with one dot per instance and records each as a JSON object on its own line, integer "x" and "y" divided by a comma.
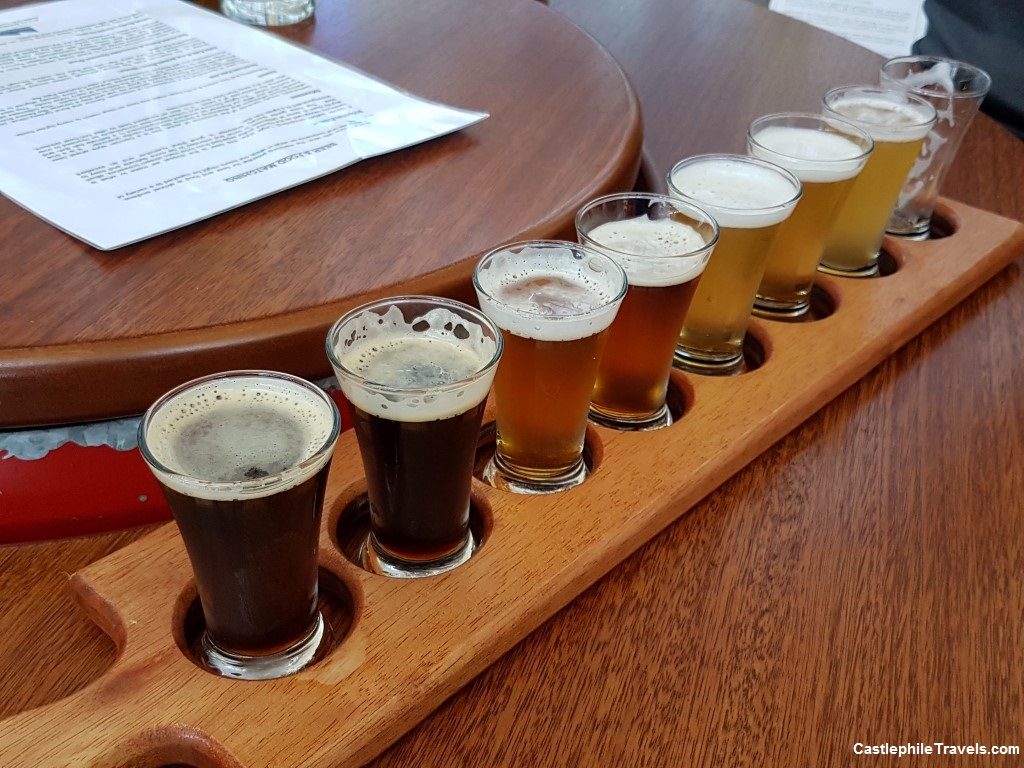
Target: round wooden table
{"x": 86, "y": 334}
{"x": 857, "y": 582}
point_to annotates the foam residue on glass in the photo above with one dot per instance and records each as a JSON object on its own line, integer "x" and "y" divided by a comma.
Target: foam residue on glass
{"x": 234, "y": 437}
{"x": 809, "y": 154}
{"x": 654, "y": 252}
{"x": 550, "y": 291}
{"x": 739, "y": 193}
{"x": 432, "y": 367}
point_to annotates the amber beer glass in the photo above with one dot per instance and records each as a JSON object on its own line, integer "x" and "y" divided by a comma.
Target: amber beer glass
{"x": 749, "y": 198}
{"x": 554, "y": 302}
{"x": 663, "y": 245}
{"x": 898, "y": 123}
{"x": 826, "y": 154}
{"x": 242, "y": 458}
{"x": 417, "y": 370}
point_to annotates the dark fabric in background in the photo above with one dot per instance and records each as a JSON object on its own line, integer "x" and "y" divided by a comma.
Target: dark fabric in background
{"x": 990, "y": 35}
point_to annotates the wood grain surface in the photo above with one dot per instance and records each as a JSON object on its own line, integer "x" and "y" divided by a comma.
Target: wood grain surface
{"x": 415, "y": 642}
{"x": 86, "y": 334}
{"x": 858, "y": 581}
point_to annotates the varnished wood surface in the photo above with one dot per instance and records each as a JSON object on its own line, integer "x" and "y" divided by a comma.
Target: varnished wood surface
{"x": 86, "y": 334}
{"x": 858, "y": 581}
{"x": 413, "y": 643}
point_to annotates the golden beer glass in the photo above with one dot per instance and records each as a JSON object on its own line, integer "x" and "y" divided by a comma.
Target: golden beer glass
{"x": 749, "y": 198}
{"x": 554, "y": 302}
{"x": 826, "y": 154}
{"x": 663, "y": 245}
{"x": 898, "y": 123}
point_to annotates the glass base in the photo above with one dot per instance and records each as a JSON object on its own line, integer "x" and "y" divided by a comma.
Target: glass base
{"x": 780, "y": 310}
{"x": 692, "y": 362}
{"x": 499, "y": 475}
{"x": 281, "y": 664}
{"x": 911, "y": 234}
{"x": 267, "y": 13}
{"x": 871, "y": 270}
{"x": 659, "y": 420}
{"x": 373, "y": 558}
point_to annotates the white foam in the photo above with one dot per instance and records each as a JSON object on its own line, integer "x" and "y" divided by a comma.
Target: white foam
{"x": 885, "y": 116}
{"x": 415, "y": 370}
{"x": 810, "y": 155}
{"x": 740, "y": 194}
{"x": 550, "y": 292}
{"x": 654, "y": 252}
{"x": 240, "y": 437}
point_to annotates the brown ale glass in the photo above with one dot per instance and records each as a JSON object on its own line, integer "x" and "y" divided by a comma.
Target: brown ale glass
{"x": 554, "y": 302}
{"x": 663, "y": 245}
{"x": 243, "y": 458}
{"x": 417, "y": 370}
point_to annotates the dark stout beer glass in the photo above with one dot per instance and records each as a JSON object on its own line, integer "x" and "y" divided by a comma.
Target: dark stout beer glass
{"x": 417, "y": 370}
{"x": 242, "y": 458}
{"x": 663, "y": 245}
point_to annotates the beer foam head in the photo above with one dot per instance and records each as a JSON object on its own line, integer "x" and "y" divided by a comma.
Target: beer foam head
{"x": 740, "y": 192}
{"x": 886, "y": 115}
{"x": 816, "y": 156}
{"x": 549, "y": 290}
{"x": 433, "y": 366}
{"x": 653, "y": 252}
{"x": 238, "y": 437}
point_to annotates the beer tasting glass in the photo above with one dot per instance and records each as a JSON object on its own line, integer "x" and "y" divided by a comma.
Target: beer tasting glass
{"x": 749, "y": 198}
{"x": 826, "y": 155}
{"x": 554, "y": 302}
{"x": 242, "y": 458}
{"x": 663, "y": 245}
{"x": 897, "y": 122}
{"x": 268, "y": 13}
{"x": 417, "y": 370}
{"x": 956, "y": 90}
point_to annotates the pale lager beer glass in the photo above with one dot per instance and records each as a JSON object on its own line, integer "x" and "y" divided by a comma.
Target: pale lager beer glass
{"x": 749, "y": 198}
{"x": 897, "y": 122}
{"x": 826, "y": 154}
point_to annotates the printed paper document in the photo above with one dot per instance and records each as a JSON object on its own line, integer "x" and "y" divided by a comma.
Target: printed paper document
{"x": 123, "y": 119}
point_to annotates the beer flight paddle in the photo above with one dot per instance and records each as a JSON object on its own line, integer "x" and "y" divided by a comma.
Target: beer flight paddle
{"x": 404, "y": 645}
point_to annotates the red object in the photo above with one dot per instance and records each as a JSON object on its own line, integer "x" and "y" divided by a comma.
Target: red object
{"x": 73, "y": 491}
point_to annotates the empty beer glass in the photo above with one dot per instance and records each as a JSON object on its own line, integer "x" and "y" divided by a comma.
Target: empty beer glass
{"x": 956, "y": 90}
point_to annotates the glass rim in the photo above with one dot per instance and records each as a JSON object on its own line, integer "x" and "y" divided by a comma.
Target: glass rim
{"x": 547, "y": 244}
{"x": 256, "y": 484}
{"x": 675, "y": 202}
{"x": 479, "y": 317}
{"x": 790, "y": 177}
{"x": 975, "y": 71}
{"x": 846, "y": 125}
{"x": 878, "y": 89}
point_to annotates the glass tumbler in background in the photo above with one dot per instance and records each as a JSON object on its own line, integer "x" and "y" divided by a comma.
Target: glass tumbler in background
{"x": 826, "y": 154}
{"x": 956, "y": 90}
{"x": 268, "y": 13}
{"x": 663, "y": 244}
{"x": 554, "y": 302}
{"x": 897, "y": 122}
{"x": 417, "y": 370}
{"x": 749, "y": 198}
{"x": 242, "y": 458}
